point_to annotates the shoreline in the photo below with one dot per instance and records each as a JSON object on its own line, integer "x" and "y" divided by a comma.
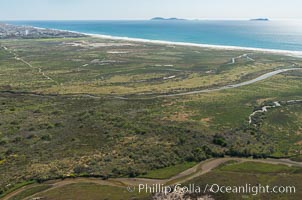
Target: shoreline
{"x": 189, "y": 44}
{"x": 211, "y": 46}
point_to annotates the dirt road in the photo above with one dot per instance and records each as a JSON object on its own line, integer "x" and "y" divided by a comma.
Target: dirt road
{"x": 196, "y": 171}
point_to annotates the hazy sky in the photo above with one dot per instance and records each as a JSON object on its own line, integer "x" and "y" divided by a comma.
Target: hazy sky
{"x": 145, "y": 9}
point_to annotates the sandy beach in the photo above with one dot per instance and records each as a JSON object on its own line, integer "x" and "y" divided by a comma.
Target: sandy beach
{"x": 274, "y": 51}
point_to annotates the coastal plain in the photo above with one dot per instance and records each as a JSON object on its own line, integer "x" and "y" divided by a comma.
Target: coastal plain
{"x": 104, "y": 108}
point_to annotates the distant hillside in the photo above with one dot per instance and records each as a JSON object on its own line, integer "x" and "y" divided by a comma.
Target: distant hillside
{"x": 166, "y": 19}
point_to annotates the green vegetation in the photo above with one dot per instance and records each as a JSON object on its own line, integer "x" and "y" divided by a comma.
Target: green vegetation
{"x": 62, "y": 114}
{"x": 254, "y": 167}
{"x": 253, "y": 173}
{"x": 297, "y": 158}
{"x": 284, "y": 126}
{"x": 231, "y": 173}
{"x": 91, "y": 191}
{"x": 168, "y": 172}
{"x": 30, "y": 192}
{"x": 11, "y": 188}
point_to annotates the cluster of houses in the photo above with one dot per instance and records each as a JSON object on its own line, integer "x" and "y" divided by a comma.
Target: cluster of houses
{"x": 8, "y": 31}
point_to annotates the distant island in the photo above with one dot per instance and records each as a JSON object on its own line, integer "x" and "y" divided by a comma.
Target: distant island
{"x": 260, "y": 19}
{"x": 166, "y": 19}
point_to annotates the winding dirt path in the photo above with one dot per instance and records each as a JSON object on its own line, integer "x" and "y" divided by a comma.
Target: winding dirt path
{"x": 196, "y": 171}
{"x": 260, "y": 78}
{"x": 233, "y": 60}
{"x": 16, "y": 57}
{"x": 227, "y": 87}
{"x": 265, "y": 109}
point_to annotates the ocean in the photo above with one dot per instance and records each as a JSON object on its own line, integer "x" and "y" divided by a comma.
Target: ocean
{"x": 276, "y": 35}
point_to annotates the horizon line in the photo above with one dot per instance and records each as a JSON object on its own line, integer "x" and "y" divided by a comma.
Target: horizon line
{"x": 147, "y": 19}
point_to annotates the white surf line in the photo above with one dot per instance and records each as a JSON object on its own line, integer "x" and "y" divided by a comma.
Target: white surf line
{"x": 292, "y": 53}
{"x": 260, "y": 78}
{"x": 28, "y": 64}
{"x": 273, "y": 51}
{"x": 121, "y": 38}
{"x": 265, "y": 109}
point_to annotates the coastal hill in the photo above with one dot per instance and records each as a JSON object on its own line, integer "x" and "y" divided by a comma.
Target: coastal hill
{"x": 166, "y": 19}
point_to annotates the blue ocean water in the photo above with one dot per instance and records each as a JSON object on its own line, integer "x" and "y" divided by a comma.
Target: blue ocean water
{"x": 279, "y": 35}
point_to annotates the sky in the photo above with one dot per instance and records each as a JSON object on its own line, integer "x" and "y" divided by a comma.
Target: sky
{"x": 146, "y": 9}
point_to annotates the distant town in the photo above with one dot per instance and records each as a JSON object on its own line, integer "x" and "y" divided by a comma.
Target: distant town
{"x": 8, "y": 31}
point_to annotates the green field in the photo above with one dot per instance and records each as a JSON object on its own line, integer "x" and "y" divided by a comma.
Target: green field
{"x": 82, "y": 191}
{"x": 30, "y": 192}
{"x": 168, "y": 172}
{"x": 240, "y": 174}
{"x": 253, "y": 167}
{"x": 229, "y": 174}
{"x": 87, "y": 107}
